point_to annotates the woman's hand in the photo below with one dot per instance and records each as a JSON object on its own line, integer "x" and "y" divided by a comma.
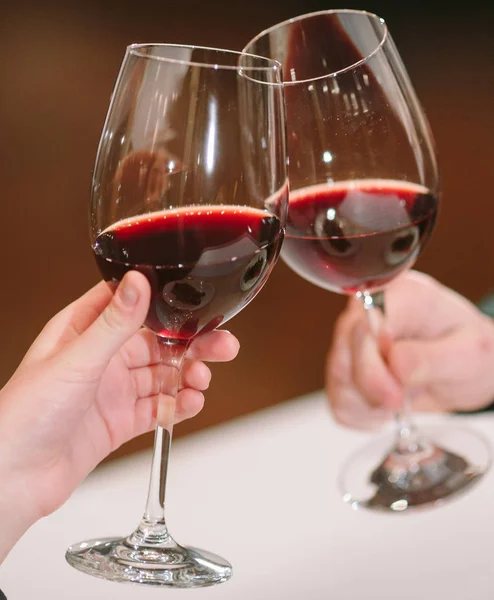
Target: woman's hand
{"x": 88, "y": 384}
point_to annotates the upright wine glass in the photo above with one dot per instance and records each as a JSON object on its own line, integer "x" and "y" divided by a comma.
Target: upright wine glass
{"x": 190, "y": 188}
{"x": 364, "y": 191}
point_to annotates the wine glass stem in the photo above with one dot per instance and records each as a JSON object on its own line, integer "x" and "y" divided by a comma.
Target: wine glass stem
{"x": 407, "y": 440}
{"x": 152, "y": 530}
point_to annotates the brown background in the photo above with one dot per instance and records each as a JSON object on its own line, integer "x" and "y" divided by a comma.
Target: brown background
{"x": 57, "y": 69}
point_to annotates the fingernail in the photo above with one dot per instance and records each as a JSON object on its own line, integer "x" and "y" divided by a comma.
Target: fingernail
{"x": 128, "y": 293}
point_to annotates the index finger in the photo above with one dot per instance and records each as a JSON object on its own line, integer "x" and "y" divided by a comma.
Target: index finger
{"x": 418, "y": 306}
{"x": 215, "y": 346}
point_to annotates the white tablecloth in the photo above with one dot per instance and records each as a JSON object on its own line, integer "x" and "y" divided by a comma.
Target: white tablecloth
{"x": 261, "y": 491}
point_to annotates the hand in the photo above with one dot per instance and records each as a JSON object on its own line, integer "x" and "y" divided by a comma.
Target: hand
{"x": 87, "y": 385}
{"x": 435, "y": 345}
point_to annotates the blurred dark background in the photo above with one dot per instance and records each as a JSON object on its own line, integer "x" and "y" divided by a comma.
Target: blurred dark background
{"x": 58, "y": 66}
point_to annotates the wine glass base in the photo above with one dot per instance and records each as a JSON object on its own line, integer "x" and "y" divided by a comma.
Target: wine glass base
{"x": 116, "y": 560}
{"x": 450, "y": 462}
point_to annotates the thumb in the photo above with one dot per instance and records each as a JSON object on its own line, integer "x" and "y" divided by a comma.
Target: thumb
{"x": 120, "y": 319}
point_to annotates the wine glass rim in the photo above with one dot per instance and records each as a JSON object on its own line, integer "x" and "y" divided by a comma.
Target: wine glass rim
{"x": 350, "y": 67}
{"x": 136, "y": 50}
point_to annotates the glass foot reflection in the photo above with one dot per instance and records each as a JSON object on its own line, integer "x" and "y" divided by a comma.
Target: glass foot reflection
{"x": 403, "y": 481}
{"x": 116, "y": 560}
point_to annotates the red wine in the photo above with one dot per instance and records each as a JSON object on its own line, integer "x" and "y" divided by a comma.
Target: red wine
{"x": 357, "y": 235}
{"x": 204, "y": 263}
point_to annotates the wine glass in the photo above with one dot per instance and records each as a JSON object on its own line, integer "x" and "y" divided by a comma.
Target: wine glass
{"x": 190, "y": 188}
{"x": 364, "y": 190}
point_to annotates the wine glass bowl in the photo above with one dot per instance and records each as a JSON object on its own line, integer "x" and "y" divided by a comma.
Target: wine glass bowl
{"x": 190, "y": 188}
{"x": 195, "y": 161}
{"x": 364, "y": 197}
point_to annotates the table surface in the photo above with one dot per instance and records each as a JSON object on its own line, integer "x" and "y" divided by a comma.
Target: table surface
{"x": 262, "y": 492}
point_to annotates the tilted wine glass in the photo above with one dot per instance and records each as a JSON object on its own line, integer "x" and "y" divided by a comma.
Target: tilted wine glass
{"x": 364, "y": 191}
{"x": 189, "y": 188}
